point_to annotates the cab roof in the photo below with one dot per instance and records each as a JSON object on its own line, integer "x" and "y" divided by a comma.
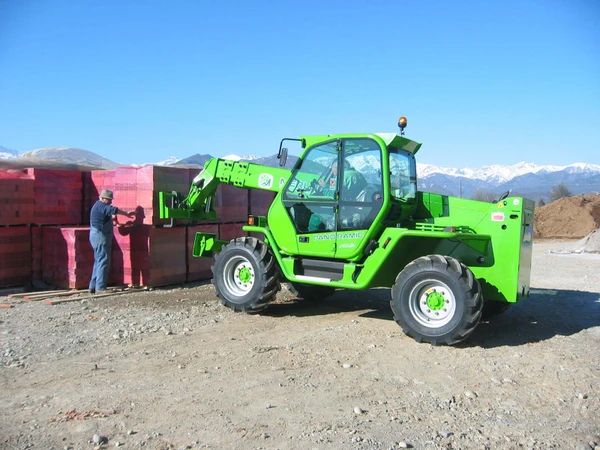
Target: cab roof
{"x": 388, "y": 139}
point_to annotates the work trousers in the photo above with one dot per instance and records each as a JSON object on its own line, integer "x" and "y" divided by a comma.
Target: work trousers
{"x": 101, "y": 243}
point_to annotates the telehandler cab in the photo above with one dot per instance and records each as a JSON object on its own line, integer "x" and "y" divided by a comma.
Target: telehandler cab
{"x": 349, "y": 216}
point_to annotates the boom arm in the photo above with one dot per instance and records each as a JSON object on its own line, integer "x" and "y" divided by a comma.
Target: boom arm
{"x": 199, "y": 203}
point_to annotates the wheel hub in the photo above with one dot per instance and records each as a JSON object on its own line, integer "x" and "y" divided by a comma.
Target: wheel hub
{"x": 244, "y": 274}
{"x": 435, "y": 300}
{"x": 239, "y": 276}
{"x": 432, "y": 303}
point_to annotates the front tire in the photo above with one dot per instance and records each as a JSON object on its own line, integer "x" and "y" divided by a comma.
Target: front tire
{"x": 437, "y": 299}
{"x": 245, "y": 275}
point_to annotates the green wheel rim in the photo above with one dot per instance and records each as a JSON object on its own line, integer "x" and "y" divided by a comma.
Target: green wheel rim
{"x": 239, "y": 276}
{"x": 432, "y": 303}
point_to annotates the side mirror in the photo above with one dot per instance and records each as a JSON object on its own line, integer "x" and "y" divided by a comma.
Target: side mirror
{"x": 283, "y": 153}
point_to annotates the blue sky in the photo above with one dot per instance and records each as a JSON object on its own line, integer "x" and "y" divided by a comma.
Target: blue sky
{"x": 480, "y": 82}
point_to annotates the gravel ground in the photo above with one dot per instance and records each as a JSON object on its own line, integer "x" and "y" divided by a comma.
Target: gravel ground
{"x": 173, "y": 369}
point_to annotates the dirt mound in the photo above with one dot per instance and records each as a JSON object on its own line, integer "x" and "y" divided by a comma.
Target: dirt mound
{"x": 568, "y": 218}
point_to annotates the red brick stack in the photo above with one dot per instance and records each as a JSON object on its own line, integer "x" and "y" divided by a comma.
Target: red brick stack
{"x": 143, "y": 252}
{"x": 67, "y": 256}
{"x": 15, "y": 256}
{"x": 229, "y": 231}
{"x": 231, "y": 204}
{"x": 93, "y": 183}
{"x": 149, "y": 256}
{"x": 36, "y": 252}
{"x": 16, "y": 198}
{"x": 58, "y": 196}
{"x": 260, "y": 202}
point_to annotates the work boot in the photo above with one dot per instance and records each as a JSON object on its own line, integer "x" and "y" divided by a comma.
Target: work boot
{"x": 92, "y": 291}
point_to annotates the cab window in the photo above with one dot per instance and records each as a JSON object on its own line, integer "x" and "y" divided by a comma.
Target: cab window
{"x": 361, "y": 194}
{"x": 313, "y": 177}
{"x": 403, "y": 174}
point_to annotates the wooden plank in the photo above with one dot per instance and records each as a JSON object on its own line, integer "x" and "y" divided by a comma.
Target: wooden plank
{"x": 76, "y": 299}
{"x": 23, "y": 294}
{"x": 63, "y": 293}
{"x": 5, "y": 305}
{"x": 57, "y": 294}
{"x": 41, "y": 297}
{"x": 9, "y": 291}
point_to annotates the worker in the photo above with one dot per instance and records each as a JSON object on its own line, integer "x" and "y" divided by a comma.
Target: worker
{"x": 354, "y": 182}
{"x": 101, "y": 235}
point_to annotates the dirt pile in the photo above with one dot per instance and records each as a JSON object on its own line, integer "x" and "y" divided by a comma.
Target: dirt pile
{"x": 568, "y": 218}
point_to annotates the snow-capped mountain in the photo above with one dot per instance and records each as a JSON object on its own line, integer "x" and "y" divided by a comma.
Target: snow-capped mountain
{"x": 501, "y": 174}
{"x": 167, "y": 162}
{"x": 8, "y": 153}
{"x": 68, "y": 155}
{"x": 196, "y": 160}
{"x": 57, "y": 157}
{"x": 526, "y": 179}
{"x": 199, "y": 160}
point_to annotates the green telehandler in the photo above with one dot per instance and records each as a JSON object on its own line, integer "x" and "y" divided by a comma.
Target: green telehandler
{"x": 348, "y": 215}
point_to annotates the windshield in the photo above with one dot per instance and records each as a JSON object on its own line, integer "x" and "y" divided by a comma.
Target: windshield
{"x": 403, "y": 174}
{"x": 315, "y": 168}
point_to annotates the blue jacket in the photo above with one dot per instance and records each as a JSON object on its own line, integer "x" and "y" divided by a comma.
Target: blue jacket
{"x": 101, "y": 217}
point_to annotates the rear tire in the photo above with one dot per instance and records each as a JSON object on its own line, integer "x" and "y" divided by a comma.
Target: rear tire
{"x": 311, "y": 292}
{"x": 245, "y": 275}
{"x": 437, "y": 299}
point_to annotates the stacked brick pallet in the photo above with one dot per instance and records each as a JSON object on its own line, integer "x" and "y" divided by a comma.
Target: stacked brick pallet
{"x": 16, "y": 198}
{"x": 57, "y": 196}
{"x": 149, "y": 256}
{"x": 15, "y": 256}
{"x": 36, "y": 252}
{"x": 71, "y": 254}
{"x": 47, "y": 212}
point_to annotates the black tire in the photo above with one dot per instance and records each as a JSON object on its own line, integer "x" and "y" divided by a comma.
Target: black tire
{"x": 245, "y": 275}
{"x": 311, "y": 292}
{"x": 492, "y": 309}
{"x": 437, "y": 299}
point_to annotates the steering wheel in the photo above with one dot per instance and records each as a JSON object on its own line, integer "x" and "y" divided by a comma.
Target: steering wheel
{"x": 315, "y": 188}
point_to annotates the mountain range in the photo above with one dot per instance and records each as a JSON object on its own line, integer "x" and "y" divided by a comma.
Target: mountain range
{"x": 527, "y": 179}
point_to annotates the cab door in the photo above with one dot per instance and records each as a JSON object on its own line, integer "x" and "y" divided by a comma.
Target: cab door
{"x": 361, "y": 195}
{"x": 309, "y": 199}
